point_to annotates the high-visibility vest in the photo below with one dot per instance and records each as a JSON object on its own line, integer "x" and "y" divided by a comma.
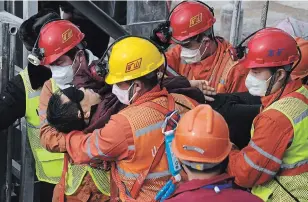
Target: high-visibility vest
{"x": 296, "y": 110}
{"x": 76, "y": 173}
{"x": 48, "y": 165}
{"x": 146, "y": 125}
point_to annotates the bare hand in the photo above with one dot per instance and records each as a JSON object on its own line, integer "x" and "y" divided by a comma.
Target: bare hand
{"x": 204, "y": 86}
{"x": 90, "y": 98}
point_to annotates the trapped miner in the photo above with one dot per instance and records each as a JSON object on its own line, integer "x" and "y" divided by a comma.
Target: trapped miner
{"x": 205, "y": 59}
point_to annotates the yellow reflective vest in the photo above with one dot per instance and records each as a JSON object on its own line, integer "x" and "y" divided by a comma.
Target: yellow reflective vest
{"x": 76, "y": 173}
{"x": 48, "y": 165}
{"x": 296, "y": 110}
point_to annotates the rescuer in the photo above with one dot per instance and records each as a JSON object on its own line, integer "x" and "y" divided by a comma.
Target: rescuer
{"x": 275, "y": 163}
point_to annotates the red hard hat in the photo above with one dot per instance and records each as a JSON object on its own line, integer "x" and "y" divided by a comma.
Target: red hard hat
{"x": 270, "y": 47}
{"x": 189, "y": 19}
{"x": 58, "y": 37}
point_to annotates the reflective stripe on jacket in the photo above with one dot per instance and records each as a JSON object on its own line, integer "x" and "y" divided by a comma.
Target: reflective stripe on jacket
{"x": 295, "y": 107}
{"x": 147, "y": 133}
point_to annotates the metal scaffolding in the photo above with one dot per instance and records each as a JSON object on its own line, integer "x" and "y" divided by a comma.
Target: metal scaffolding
{"x": 234, "y": 35}
{"x": 264, "y": 14}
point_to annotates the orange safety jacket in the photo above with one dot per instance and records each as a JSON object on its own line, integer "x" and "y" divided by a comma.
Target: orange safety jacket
{"x": 224, "y": 74}
{"x": 147, "y": 132}
{"x": 145, "y": 124}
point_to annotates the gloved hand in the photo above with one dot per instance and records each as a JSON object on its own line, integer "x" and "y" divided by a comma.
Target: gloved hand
{"x": 162, "y": 34}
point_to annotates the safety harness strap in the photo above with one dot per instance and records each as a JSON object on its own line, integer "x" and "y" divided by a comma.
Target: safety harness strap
{"x": 161, "y": 150}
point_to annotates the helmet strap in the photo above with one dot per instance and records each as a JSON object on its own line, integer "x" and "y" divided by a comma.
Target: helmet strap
{"x": 288, "y": 69}
{"x": 271, "y": 84}
{"x": 131, "y": 94}
{"x": 283, "y": 87}
{"x": 164, "y": 72}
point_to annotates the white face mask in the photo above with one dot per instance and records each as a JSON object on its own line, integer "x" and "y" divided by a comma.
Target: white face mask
{"x": 123, "y": 95}
{"x": 255, "y": 86}
{"x": 63, "y": 75}
{"x": 192, "y": 56}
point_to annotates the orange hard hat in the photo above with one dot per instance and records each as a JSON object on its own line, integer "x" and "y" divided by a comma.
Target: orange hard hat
{"x": 189, "y": 19}
{"x": 57, "y": 38}
{"x": 301, "y": 70}
{"x": 202, "y": 136}
{"x": 270, "y": 47}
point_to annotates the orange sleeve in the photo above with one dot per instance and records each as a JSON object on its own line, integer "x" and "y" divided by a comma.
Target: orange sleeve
{"x": 51, "y": 139}
{"x": 261, "y": 159}
{"x": 174, "y": 58}
{"x": 109, "y": 143}
{"x": 236, "y": 79}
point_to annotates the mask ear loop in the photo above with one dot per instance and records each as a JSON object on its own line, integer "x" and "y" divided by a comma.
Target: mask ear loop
{"x": 131, "y": 93}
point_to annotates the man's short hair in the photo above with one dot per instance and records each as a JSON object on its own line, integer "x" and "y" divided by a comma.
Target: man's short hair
{"x": 150, "y": 80}
{"x": 63, "y": 116}
{"x": 80, "y": 47}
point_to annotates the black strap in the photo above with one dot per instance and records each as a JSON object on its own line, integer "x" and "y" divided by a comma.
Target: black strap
{"x": 295, "y": 199}
{"x": 182, "y": 105}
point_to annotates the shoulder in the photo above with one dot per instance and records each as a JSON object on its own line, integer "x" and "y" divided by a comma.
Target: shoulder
{"x": 47, "y": 85}
{"x": 184, "y": 100}
{"x": 46, "y": 91}
{"x": 174, "y": 50}
{"x": 272, "y": 121}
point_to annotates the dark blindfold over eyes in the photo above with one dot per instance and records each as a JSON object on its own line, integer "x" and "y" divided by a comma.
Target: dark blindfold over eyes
{"x": 74, "y": 94}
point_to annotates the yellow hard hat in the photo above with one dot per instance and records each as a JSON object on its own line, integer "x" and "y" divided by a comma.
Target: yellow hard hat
{"x": 131, "y": 58}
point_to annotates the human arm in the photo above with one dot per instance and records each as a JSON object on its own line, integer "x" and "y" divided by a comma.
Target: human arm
{"x": 51, "y": 139}
{"x": 173, "y": 60}
{"x": 205, "y": 87}
{"x": 261, "y": 159}
{"x": 109, "y": 143}
{"x": 239, "y": 111}
{"x": 236, "y": 79}
{"x": 12, "y": 102}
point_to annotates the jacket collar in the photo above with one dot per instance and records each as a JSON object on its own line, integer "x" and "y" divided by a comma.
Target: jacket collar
{"x": 156, "y": 92}
{"x": 290, "y": 87}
